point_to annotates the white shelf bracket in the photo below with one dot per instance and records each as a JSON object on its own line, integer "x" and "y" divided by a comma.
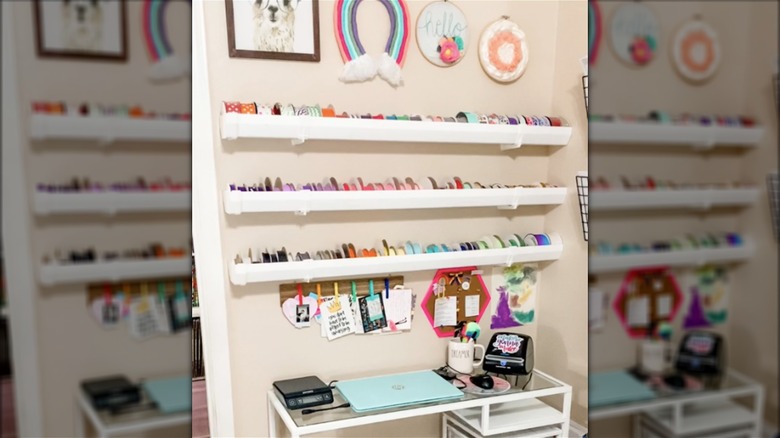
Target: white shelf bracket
{"x": 512, "y": 206}
{"x": 105, "y": 141}
{"x": 510, "y": 261}
{"x": 301, "y": 212}
{"x": 518, "y": 143}
{"x": 705, "y": 145}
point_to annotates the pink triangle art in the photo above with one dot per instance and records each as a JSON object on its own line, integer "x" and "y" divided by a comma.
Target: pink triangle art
{"x": 695, "y": 317}
{"x": 165, "y": 64}
{"x": 359, "y": 66}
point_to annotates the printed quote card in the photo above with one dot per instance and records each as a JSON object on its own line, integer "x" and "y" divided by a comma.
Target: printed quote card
{"x": 339, "y": 322}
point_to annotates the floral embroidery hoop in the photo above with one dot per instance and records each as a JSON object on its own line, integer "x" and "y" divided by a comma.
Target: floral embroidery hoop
{"x": 442, "y": 33}
{"x": 503, "y": 51}
{"x": 359, "y": 66}
{"x": 696, "y": 51}
{"x": 634, "y": 34}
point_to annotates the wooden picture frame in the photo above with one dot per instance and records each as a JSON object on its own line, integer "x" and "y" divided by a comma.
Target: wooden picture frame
{"x": 244, "y": 40}
{"x": 78, "y": 29}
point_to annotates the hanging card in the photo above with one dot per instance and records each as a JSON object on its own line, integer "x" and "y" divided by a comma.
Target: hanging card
{"x": 338, "y": 323}
{"x": 398, "y": 310}
{"x": 143, "y": 318}
{"x": 372, "y": 312}
{"x": 445, "y": 312}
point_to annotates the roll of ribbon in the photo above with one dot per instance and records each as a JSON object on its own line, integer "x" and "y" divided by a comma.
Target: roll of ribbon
{"x": 403, "y": 117}
{"x": 468, "y": 117}
{"x": 416, "y": 118}
{"x": 303, "y": 110}
{"x": 248, "y": 108}
{"x": 501, "y": 242}
{"x": 512, "y": 120}
{"x": 277, "y": 109}
{"x": 232, "y": 107}
{"x": 400, "y": 251}
{"x": 530, "y": 240}
{"x": 391, "y": 117}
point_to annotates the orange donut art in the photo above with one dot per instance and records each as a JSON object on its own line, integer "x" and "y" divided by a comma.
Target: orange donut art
{"x": 689, "y": 43}
{"x": 499, "y": 41}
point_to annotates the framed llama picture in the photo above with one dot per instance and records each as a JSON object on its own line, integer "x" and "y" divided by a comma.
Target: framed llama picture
{"x": 274, "y": 29}
{"x": 87, "y": 29}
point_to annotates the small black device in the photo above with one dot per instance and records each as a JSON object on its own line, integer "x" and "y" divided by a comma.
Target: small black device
{"x": 701, "y": 353}
{"x": 111, "y": 392}
{"x": 304, "y": 392}
{"x": 675, "y": 381}
{"x": 510, "y": 354}
{"x": 484, "y": 381}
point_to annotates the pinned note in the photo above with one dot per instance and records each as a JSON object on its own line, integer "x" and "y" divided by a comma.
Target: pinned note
{"x": 663, "y": 306}
{"x": 639, "y": 312}
{"x": 472, "y": 305}
{"x": 338, "y": 320}
{"x": 398, "y": 309}
{"x": 445, "y": 311}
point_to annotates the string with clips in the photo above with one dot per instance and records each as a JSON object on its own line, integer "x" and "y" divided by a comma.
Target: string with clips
{"x": 358, "y": 287}
{"x": 165, "y": 288}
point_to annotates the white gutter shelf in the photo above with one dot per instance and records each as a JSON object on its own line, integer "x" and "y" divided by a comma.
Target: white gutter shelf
{"x": 113, "y": 271}
{"x": 299, "y": 129}
{"x": 302, "y": 202}
{"x": 598, "y": 264}
{"x": 311, "y": 270}
{"x": 699, "y": 137}
{"x": 45, "y": 203}
{"x": 697, "y": 199}
{"x": 108, "y": 129}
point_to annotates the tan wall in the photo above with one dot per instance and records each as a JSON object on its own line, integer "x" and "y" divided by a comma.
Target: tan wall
{"x": 264, "y": 347}
{"x": 72, "y": 346}
{"x": 741, "y": 86}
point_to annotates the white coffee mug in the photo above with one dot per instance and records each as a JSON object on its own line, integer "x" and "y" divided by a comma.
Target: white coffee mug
{"x": 460, "y": 356}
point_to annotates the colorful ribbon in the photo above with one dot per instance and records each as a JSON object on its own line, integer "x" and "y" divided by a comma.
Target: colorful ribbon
{"x": 165, "y": 64}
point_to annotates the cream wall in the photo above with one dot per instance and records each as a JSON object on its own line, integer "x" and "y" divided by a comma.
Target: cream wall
{"x": 72, "y": 346}
{"x": 741, "y": 86}
{"x": 264, "y": 347}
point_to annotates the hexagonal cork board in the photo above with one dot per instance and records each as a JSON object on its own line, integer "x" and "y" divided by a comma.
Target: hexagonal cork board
{"x": 460, "y": 283}
{"x": 646, "y": 298}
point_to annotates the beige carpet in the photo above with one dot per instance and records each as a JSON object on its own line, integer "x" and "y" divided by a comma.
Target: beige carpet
{"x": 7, "y": 416}
{"x": 200, "y": 411}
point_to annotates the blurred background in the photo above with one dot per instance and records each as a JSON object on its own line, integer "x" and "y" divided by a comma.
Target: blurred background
{"x": 682, "y": 188}
{"x": 96, "y": 218}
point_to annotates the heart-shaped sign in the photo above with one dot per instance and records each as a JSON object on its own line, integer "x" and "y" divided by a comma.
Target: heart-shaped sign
{"x": 288, "y": 308}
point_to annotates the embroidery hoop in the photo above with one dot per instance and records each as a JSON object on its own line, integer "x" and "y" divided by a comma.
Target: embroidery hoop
{"x": 682, "y": 48}
{"x": 594, "y": 30}
{"x": 635, "y": 13}
{"x": 465, "y": 34}
{"x": 165, "y": 64}
{"x": 494, "y": 29}
{"x": 360, "y": 66}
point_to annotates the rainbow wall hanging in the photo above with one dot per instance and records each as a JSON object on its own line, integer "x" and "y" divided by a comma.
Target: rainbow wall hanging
{"x": 360, "y": 66}
{"x": 165, "y": 64}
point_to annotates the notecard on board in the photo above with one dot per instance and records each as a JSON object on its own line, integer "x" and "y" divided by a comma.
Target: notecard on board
{"x": 445, "y": 312}
{"x": 340, "y": 322}
{"x": 663, "y": 306}
{"x": 472, "y": 305}
{"x": 639, "y": 312}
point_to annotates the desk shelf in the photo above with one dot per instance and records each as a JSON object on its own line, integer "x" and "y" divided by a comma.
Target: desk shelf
{"x": 108, "y": 129}
{"x": 302, "y": 202}
{"x": 511, "y": 416}
{"x": 704, "y": 137}
{"x": 695, "y": 199}
{"x": 309, "y": 270}
{"x": 299, "y": 129}
{"x": 114, "y": 271}
{"x": 692, "y": 257}
{"x": 705, "y": 417}
{"x": 110, "y": 202}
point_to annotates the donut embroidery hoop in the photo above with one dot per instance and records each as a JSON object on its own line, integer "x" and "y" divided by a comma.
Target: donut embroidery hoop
{"x": 594, "y": 30}
{"x": 442, "y": 33}
{"x": 503, "y": 52}
{"x": 165, "y": 64}
{"x": 696, "y": 50}
{"x": 634, "y": 34}
{"x": 360, "y": 66}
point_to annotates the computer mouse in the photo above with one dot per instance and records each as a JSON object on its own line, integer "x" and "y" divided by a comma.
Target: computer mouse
{"x": 675, "y": 381}
{"x": 484, "y": 381}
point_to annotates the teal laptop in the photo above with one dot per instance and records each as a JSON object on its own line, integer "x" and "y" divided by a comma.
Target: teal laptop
{"x": 614, "y": 387}
{"x": 170, "y": 394}
{"x": 396, "y": 390}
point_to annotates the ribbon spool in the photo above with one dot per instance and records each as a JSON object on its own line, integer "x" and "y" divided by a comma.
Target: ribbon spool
{"x": 165, "y": 64}
{"x": 359, "y": 66}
